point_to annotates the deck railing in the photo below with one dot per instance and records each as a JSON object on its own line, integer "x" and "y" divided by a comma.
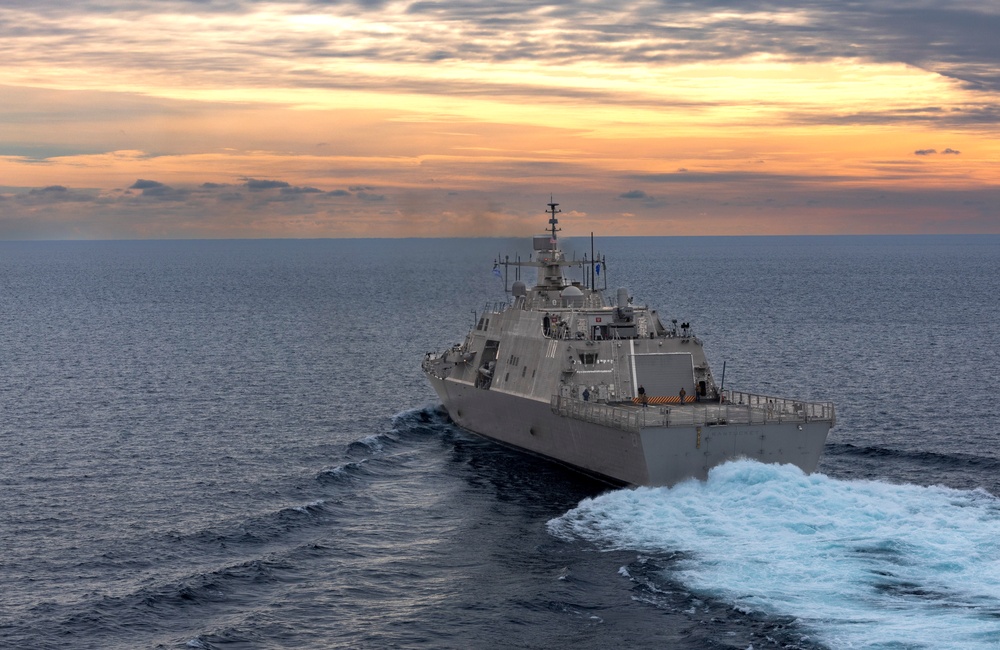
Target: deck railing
{"x": 736, "y": 408}
{"x": 624, "y": 418}
{"x": 779, "y": 409}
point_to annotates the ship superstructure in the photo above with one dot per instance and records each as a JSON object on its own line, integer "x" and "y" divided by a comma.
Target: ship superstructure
{"x": 606, "y": 387}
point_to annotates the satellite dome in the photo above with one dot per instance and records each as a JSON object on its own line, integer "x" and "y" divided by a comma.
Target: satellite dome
{"x": 572, "y": 297}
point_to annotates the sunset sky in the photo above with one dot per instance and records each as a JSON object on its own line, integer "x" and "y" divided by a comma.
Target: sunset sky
{"x": 238, "y": 118}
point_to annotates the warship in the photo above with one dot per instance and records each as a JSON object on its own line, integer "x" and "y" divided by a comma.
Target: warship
{"x": 605, "y": 387}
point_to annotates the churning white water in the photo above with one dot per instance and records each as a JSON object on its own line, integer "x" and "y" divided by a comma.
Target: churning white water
{"x": 862, "y": 564}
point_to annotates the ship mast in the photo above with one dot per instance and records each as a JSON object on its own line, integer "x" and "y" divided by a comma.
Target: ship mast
{"x": 549, "y": 259}
{"x": 552, "y": 276}
{"x": 553, "y": 221}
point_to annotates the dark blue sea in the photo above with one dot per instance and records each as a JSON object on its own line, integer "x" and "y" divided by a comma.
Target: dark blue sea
{"x": 229, "y": 444}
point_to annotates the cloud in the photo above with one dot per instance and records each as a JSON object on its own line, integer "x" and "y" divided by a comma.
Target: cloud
{"x": 254, "y": 184}
{"x": 142, "y": 184}
{"x": 158, "y": 191}
{"x": 736, "y": 177}
{"x": 55, "y": 194}
{"x": 928, "y": 152}
{"x": 785, "y": 204}
{"x": 534, "y": 97}
{"x": 957, "y": 116}
{"x": 956, "y": 39}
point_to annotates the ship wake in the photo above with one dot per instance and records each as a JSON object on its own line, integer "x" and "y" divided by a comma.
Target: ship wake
{"x": 863, "y": 564}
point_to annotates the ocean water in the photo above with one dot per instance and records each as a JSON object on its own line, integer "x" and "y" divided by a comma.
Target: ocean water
{"x": 229, "y": 444}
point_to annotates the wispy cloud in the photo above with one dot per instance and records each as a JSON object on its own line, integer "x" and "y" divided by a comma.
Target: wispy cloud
{"x": 930, "y": 152}
{"x": 429, "y": 113}
{"x": 306, "y": 44}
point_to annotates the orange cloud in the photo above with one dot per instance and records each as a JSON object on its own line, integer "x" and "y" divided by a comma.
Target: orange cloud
{"x": 689, "y": 121}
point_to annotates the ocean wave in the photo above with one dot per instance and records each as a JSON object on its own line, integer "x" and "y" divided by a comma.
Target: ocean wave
{"x": 405, "y": 425}
{"x": 342, "y": 472}
{"x": 865, "y": 564}
{"x": 977, "y": 462}
{"x": 428, "y": 420}
{"x": 108, "y": 620}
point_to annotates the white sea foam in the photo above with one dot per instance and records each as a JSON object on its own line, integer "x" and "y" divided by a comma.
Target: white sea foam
{"x": 863, "y": 564}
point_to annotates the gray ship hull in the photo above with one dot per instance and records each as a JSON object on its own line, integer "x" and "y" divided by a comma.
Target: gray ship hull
{"x": 659, "y": 450}
{"x": 608, "y": 387}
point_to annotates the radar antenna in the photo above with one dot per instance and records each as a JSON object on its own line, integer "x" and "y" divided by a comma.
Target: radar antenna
{"x": 553, "y": 221}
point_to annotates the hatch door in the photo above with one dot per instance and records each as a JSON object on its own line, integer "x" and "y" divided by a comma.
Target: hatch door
{"x": 664, "y": 374}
